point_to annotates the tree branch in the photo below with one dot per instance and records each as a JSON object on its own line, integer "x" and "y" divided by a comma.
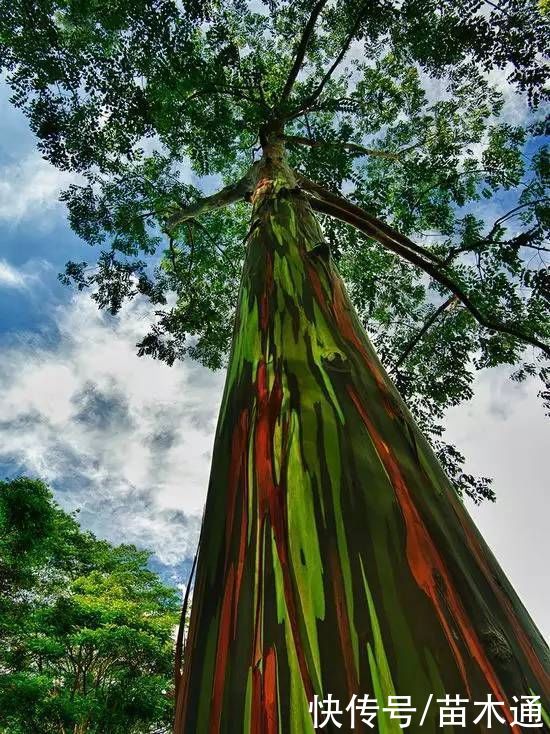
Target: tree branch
{"x": 228, "y": 195}
{"x": 516, "y": 209}
{"x": 220, "y": 249}
{"x": 385, "y": 231}
{"x": 347, "y": 43}
{"x": 301, "y": 49}
{"x": 340, "y": 208}
{"x": 521, "y": 240}
{"x": 351, "y": 147}
{"x": 411, "y": 344}
{"x": 229, "y": 91}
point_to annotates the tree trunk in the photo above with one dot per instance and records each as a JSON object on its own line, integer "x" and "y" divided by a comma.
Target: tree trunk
{"x": 335, "y": 556}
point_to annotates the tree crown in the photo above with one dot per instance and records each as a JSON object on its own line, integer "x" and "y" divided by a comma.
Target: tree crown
{"x": 391, "y": 124}
{"x": 86, "y": 629}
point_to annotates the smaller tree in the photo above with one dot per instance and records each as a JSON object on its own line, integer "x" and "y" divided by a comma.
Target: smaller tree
{"x": 86, "y": 629}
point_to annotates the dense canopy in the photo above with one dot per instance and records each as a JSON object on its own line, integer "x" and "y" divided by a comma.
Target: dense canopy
{"x": 396, "y": 106}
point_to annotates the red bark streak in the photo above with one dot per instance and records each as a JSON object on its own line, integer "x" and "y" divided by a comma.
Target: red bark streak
{"x": 316, "y": 285}
{"x": 271, "y": 709}
{"x": 271, "y": 498}
{"x": 256, "y": 703}
{"x": 343, "y": 622}
{"x": 268, "y": 406}
{"x": 425, "y": 562}
{"x": 224, "y": 629}
{"x": 264, "y": 186}
{"x": 242, "y": 554}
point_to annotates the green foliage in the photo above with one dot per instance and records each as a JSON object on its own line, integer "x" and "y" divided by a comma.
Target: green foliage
{"x": 86, "y": 630}
{"x": 196, "y": 84}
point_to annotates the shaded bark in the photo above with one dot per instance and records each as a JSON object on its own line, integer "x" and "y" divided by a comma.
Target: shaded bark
{"x": 335, "y": 556}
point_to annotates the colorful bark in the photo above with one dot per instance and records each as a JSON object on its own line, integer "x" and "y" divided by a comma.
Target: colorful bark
{"x": 335, "y": 556}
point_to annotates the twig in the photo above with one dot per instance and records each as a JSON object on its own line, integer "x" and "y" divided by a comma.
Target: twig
{"x": 516, "y": 209}
{"x": 347, "y": 43}
{"x": 217, "y": 246}
{"x": 352, "y": 147}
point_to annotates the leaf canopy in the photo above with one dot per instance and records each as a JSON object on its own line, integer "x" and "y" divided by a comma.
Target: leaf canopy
{"x": 155, "y": 103}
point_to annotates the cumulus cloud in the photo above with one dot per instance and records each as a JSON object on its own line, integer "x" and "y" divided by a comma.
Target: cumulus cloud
{"x": 127, "y": 440}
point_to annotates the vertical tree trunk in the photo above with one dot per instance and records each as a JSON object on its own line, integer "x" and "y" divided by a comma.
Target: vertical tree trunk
{"x": 335, "y": 556}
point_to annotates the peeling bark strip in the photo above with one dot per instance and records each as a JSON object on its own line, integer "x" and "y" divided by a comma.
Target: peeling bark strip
{"x": 336, "y": 557}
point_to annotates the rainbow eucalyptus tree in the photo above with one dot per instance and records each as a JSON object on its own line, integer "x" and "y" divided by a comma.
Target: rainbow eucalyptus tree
{"x": 280, "y": 178}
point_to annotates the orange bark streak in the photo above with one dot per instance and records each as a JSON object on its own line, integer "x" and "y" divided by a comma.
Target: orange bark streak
{"x": 425, "y": 562}
{"x": 271, "y": 710}
{"x": 222, "y": 652}
{"x": 542, "y": 676}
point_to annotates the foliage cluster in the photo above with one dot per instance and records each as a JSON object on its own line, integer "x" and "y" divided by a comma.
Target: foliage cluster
{"x": 86, "y": 629}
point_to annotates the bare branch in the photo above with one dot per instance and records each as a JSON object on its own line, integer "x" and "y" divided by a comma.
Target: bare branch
{"x": 229, "y": 195}
{"x": 513, "y": 212}
{"x": 521, "y": 240}
{"x": 411, "y": 344}
{"x": 340, "y": 208}
{"x": 301, "y": 49}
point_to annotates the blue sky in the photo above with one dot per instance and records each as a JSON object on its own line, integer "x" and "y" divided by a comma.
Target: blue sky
{"x": 128, "y": 440}
{"x": 67, "y": 414}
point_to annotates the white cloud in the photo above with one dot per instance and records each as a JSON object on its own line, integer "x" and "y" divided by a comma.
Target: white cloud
{"x": 515, "y": 110}
{"x": 30, "y": 188}
{"x": 11, "y": 277}
{"x": 127, "y": 440}
{"x": 504, "y": 434}
{"x": 30, "y": 273}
